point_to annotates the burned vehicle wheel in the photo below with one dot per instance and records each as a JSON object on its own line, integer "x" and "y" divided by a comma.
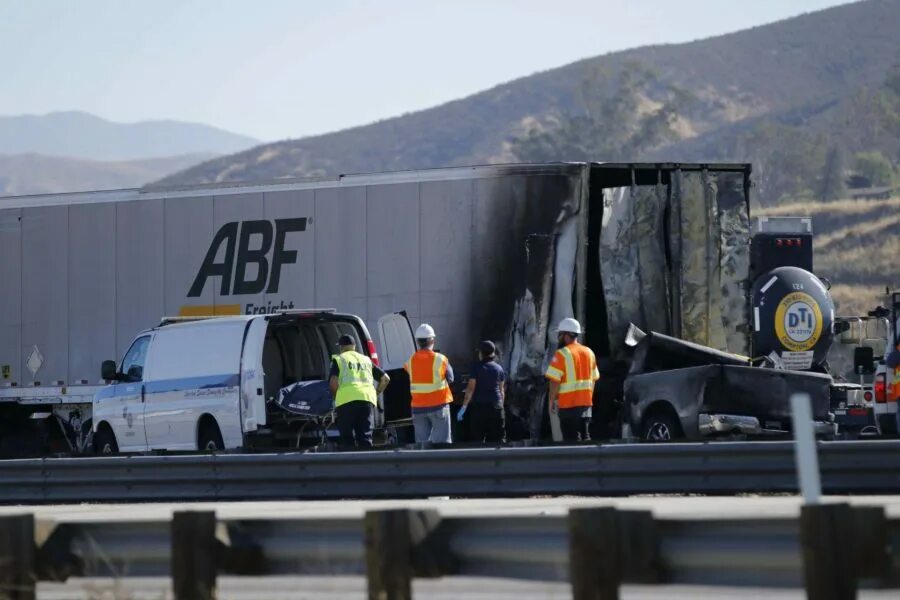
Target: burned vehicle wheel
{"x": 661, "y": 426}
{"x": 105, "y": 441}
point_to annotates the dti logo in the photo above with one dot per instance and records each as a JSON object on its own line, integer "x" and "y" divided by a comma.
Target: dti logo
{"x": 800, "y": 321}
{"x": 265, "y": 238}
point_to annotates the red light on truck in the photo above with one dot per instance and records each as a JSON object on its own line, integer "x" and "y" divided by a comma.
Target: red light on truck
{"x": 867, "y": 396}
{"x": 373, "y": 353}
{"x": 879, "y": 387}
{"x": 779, "y": 242}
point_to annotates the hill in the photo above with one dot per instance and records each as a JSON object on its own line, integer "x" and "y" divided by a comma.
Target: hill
{"x": 22, "y": 174}
{"x": 82, "y": 135}
{"x": 801, "y": 71}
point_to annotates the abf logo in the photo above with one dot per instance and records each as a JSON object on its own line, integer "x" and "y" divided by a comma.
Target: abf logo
{"x": 798, "y": 322}
{"x": 228, "y": 236}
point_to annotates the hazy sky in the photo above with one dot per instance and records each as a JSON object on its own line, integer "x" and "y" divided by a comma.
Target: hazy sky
{"x": 275, "y": 69}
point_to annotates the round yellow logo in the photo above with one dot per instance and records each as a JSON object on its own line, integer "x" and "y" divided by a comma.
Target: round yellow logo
{"x": 798, "y": 322}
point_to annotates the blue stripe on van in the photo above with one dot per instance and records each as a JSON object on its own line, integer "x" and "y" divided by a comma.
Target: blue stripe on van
{"x": 171, "y": 385}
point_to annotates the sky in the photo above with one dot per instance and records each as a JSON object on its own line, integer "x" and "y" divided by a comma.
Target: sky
{"x": 277, "y": 69}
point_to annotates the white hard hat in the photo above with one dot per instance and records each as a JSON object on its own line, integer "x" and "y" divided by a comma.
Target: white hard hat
{"x": 569, "y": 325}
{"x": 424, "y": 331}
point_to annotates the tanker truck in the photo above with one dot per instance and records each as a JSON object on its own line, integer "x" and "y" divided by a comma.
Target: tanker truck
{"x": 497, "y": 252}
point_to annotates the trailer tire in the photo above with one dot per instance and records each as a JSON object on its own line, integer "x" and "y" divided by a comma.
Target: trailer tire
{"x": 662, "y": 425}
{"x": 105, "y": 440}
{"x": 210, "y": 438}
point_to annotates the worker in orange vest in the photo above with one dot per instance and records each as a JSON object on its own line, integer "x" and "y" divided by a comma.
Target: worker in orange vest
{"x": 572, "y": 374}
{"x": 430, "y": 376}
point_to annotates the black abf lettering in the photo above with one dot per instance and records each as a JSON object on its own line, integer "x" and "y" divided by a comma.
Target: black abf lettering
{"x": 280, "y": 256}
{"x": 246, "y": 255}
{"x": 210, "y": 268}
{"x": 228, "y": 235}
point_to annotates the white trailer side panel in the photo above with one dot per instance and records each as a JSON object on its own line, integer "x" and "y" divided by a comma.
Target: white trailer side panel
{"x": 10, "y": 295}
{"x": 92, "y": 289}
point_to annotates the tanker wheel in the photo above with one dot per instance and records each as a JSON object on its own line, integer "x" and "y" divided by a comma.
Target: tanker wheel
{"x": 661, "y": 426}
{"x": 105, "y": 441}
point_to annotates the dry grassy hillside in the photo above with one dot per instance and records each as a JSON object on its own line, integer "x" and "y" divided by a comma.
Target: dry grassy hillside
{"x": 856, "y": 246}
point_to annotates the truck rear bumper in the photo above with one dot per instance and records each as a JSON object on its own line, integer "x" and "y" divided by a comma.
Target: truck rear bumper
{"x": 712, "y": 424}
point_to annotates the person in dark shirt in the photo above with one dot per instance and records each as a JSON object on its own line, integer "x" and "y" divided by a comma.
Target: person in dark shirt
{"x": 485, "y": 394}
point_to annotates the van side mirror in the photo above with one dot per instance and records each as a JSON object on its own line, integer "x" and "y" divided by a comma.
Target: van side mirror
{"x": 863, "y": 360}
{"x": 109, "y": 371}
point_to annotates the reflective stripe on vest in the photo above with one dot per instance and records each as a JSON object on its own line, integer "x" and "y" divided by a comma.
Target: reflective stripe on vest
{"x": 575, "y": 391}
{"x": 355, "y": 380}
{"x": 426, "y": 379}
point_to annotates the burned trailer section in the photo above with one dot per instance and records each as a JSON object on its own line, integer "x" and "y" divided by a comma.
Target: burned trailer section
{"x": 673, "y": 252}
{"x": 523, "y": 276}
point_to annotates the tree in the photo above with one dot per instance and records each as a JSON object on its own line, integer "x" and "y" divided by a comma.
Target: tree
{"x": 831, "y": 182}
{"x": 617, "y": 120}
{"x": 874, "y": 167}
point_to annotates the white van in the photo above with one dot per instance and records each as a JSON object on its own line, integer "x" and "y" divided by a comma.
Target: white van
{"x": 220, "y": 383}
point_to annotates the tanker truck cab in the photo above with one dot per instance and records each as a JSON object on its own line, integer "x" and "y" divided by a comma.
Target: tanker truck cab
{"x": 219, "y": 383}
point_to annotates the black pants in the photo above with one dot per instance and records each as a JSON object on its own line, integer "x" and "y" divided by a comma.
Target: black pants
{"x": 486, "y": 423}
{"x": 575, "y": 424}
{"x": 355, "y": 421}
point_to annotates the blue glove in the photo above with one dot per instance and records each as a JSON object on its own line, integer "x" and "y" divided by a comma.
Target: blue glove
{"x": 459, "y": 415}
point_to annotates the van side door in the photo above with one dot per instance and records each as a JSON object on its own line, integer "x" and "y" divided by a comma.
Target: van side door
{"x": 396, "y": 345}
{"x": 127, "y": 398}
{"x": 253, "y": 399}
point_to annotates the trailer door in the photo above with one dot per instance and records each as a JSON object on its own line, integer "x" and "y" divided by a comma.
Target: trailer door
{"x": 396, "y": 345}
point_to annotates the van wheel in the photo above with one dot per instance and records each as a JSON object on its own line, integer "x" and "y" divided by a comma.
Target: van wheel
{"x": 105, "y": 441}
{"x": 661, "y": 426}
{"x": 210, "y": 438}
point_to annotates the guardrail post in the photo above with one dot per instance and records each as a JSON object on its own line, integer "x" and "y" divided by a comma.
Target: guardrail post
{"x": 594, "y": 553}
{"x": 18, "y": 558}
{"x": 826, "y": 532}
{"x": 194, "y": 555}
{"x": 402, "y": 544}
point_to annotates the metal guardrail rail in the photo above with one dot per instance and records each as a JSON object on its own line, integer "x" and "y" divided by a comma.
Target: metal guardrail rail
{"x": 830, "y": 550}
{"x": 619, "y": 469}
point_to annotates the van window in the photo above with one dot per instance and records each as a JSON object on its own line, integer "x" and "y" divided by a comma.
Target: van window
{"x": 133, "y": 363}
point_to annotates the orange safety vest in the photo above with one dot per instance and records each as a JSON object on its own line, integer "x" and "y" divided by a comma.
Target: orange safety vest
{"x": 427, "y": 378}
{"x": 574, "y": 368}
{"x": 896, "y": 385}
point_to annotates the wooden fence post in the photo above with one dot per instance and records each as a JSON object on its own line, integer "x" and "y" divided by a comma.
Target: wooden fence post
{"x": 594, "y": 553}
{"x": 18, "y": 558}
{"x": 826, "y": 536}
{"x": 400, "y": 545}
{"x": 194, "y": 559}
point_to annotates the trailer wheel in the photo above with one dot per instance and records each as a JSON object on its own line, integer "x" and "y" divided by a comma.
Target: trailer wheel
{"x": 662, "y": 426}
{"x": 105, "y": 441}
{"x": 210, "y": 438}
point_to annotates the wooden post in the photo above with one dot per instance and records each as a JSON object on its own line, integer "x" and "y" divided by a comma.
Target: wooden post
{"x": 826, "y": 536}
{"x": 400, "y": 545}
{"x": 18, "y": 558}
{"x": 194, "y": 555}
{"x": 594, "y": 557}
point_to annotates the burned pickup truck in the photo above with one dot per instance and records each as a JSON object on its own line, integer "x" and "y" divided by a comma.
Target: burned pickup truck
{"x": 677, "y": 389}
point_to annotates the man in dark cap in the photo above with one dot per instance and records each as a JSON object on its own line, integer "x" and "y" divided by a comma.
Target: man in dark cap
{"x": 485, "y": 394}
{"x": 352, "y": 383}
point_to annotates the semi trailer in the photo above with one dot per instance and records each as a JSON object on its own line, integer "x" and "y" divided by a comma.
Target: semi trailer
{"x": 492, "y": 252}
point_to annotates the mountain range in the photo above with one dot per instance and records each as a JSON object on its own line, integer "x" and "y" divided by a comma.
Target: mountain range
{"x": 801, "y": 71}
{"x": 76, "y": 151}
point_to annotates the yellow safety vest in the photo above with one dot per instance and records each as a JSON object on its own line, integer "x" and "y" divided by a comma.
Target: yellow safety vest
{"x": 355, "y": 381}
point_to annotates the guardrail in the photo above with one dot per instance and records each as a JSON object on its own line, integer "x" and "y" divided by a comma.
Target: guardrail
{"x": 709, "y": 468}
{"x": 829, "y": 551}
